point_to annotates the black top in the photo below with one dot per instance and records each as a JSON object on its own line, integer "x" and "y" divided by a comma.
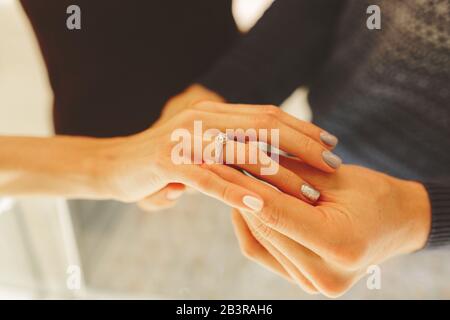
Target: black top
{"x": 385, "y": 93}
{"x": 113, "y": 76}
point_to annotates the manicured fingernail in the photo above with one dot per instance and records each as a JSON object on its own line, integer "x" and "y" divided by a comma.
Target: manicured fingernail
{"x": 309, "y": 192}
{"x": 328, "y": 139}
{"x": 253, "y": 203}
{"x": 174, "y": 194}
{"x": 331, "y": 159}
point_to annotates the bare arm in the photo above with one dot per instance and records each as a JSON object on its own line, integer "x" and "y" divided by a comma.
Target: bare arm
{"x": 56, "y": 166}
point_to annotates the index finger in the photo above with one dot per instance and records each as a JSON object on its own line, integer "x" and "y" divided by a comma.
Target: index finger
{"x": 328, "y": 140}
{"x": 286, "y": 214}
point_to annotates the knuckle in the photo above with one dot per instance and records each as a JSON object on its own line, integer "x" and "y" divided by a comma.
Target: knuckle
{"x": 186, "y": 112}
{"x": 302, "y": 125}
{"x": 348, "y": 254}
{"x": 226, "y": 192}
{"x": 191, "y": 114}
{"x": 336, "y": 289}
{"x": 291, "y": 179}
{"x": 268, "y": 121}
{"x": 201, "y": 104}
{"x": 272, "y": 215}
{"x": 262, "y": 231}
{"x": 204, "y": 181}
{"x": 272, "y": 110}
{"x": 333, "y": 286}
{"x": 308, "y": 144}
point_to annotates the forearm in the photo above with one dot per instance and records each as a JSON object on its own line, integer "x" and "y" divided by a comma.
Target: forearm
{"x": 56, "y": 166}
{"x": 415, "y": 213}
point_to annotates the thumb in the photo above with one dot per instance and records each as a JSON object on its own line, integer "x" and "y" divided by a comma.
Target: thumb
{"x": 162, "y": 199}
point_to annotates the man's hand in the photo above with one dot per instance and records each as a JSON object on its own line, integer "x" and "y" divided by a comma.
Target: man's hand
{"x": 361, "y": 218}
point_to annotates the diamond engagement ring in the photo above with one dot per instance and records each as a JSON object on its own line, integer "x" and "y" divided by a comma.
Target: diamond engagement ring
{"x": 220, "y": 140}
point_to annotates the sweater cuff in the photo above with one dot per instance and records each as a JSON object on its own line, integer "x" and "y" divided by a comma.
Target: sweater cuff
{"x": 439, "y": 195}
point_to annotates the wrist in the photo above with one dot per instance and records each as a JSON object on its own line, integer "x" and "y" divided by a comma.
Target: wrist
{"x": 127, "y": 168}
{"x": 416, "y": 210}
{"x": 104, "y": 166}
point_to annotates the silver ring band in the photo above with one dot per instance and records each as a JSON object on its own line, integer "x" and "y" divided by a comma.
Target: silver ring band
{"x": 219, "y": 141}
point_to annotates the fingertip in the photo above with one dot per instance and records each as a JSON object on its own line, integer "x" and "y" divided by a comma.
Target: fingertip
{"x": 332, "y": 161}
{"x": 329, "y": 140}
{"x": 310, "y": 193}
{"x": 253, "y": 203}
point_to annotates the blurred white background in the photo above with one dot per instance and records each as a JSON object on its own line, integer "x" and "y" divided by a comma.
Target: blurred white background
{"x": 187, "y": 252}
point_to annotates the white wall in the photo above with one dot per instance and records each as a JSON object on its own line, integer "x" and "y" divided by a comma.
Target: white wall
{"x": 25, "y": 96}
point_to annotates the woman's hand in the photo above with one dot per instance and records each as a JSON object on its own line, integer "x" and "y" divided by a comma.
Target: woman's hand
{"x": 135, "y": 167}
{"x": 168, "y": 196}
{"x": 361, "y": 218}
{"x": 141, "y": 165}
{"x": 313, "y": 143}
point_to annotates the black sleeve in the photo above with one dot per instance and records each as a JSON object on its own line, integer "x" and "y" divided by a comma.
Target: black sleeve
{"x": 439, "y": 194}
{"x": 283, "y": 51}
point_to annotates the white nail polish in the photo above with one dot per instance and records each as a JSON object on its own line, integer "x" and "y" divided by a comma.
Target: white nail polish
{"x": 253, "y": 203}
{"x": 309, "y": 192}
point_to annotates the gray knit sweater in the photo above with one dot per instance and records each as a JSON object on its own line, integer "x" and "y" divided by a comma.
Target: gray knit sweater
{"x": 385, "y": 93}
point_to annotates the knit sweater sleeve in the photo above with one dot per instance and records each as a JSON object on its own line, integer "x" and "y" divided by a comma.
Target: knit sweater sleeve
{"x": 283, "y": 51}
{"x": 439, "y": 195}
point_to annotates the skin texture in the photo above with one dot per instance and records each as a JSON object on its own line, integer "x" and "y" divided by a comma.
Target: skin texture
{"x": 186, "y": 99}
{"x": 150, "y": 151}
{"x": 197, "y": 97}
{"x": 140, "y": 166}
{"x": 362, "y": 218}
